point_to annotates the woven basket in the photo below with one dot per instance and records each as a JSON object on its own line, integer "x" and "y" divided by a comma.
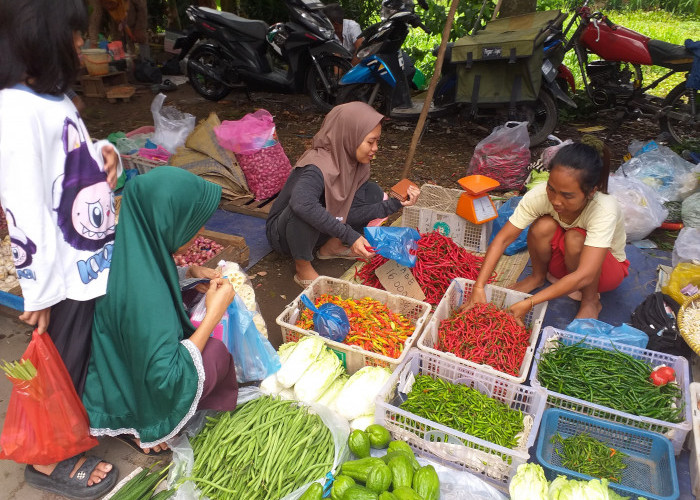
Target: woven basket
{"x": 684, "y": 321}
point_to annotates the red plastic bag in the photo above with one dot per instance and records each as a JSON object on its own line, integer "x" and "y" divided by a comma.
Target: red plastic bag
{"x": 46, "y": 422}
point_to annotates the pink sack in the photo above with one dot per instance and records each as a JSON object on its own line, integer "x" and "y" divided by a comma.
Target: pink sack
{"x": 252, "y": 132}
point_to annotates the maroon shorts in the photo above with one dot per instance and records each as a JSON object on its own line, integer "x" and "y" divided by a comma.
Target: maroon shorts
{"x": 611, "y": 275}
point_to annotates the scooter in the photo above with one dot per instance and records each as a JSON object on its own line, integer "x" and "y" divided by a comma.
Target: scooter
{"x": 615, "y": 81}
{"x": 222, "y": 50}
{"x": 379, "y": 80}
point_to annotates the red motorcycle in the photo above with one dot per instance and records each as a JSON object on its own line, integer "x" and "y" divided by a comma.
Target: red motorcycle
{"x": 615, "y": 81}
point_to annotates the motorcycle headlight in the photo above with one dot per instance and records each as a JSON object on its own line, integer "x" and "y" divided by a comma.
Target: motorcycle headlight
{"x": 368, "y": 51}
{"x": 191, "y": 15}
{"x": 314, "y": 25}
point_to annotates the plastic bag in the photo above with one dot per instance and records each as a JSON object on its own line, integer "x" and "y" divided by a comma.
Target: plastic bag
{"x": 667, "y": 173}
{"x": 504, "y": 213}
{"x": 684, "y": 274}
{"x": 690, "y": 211}
{"x": 254, "y": 356}
{"x": 503, "y": 155}
{"x": 172, "y": 126}
{"x": 687, "y": 246}
{"x": 549, "y": 152}
{"x": 330, "y": 320}
{"x": 641, "y": 206}
{"x": 45, "y": 421}
{"x": 396, "y": 243}
{"x": 252, "y": 132}
{"x": 624, "y": 334}
{"x": 220, "y": 331}
{"x": 266, "y": 170}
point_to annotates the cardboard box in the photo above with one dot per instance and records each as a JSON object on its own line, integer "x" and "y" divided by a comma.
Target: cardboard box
{"x": 235, "y": 248}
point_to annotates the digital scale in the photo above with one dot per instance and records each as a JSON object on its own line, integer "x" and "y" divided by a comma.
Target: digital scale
{"x": 475, "y": 204}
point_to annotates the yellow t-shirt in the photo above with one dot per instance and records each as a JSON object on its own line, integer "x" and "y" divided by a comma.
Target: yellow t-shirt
{"x": 601, "y": 218}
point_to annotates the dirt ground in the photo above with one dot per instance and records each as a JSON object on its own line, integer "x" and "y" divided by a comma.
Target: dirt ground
{"x": 442, "y": 156}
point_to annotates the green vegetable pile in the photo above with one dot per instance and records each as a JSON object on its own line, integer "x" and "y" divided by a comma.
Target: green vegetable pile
{"x": 609, "y": 378}
{"x": 585, "y": 454}
{"x": 464, "y": 409}
{"x": 143, "y": 484}
{"x": 264, "y": 450}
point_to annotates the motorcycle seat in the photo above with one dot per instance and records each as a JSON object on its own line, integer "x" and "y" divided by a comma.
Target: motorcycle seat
{"x": 251, "y": 27}
{"x": 670, "y": 55}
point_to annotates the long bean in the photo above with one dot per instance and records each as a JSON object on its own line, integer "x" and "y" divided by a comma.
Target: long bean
{"x": 263, "y": 450}
{"x": 609, "y": 378}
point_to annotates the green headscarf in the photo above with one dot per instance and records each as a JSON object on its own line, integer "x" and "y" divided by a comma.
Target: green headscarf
{"x": 143, "y": 377}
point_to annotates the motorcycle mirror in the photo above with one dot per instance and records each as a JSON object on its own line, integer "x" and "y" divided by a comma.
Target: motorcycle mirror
{"x": 423, "y": 4}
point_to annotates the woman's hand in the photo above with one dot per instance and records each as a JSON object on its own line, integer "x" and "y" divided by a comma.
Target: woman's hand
{"x": 411, "y": 196}
{"x": 478, "y": 296}
{"x": 519, "y": 310}
{"x": 360, "y": 248}
{"x": 39, "y": 319}
{"x": 202, "y": 272}
{"x": 111, "y": 161}
{"x": 219, "y": 295}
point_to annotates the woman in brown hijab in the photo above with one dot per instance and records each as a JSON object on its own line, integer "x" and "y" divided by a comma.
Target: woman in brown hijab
{"x": 328, "y": 197}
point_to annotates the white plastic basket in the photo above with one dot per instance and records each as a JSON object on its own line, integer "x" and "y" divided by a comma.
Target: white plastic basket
{"x": 457, "y": 293}
{"x": 352, "y": 356}
{"x": 435, "y": 211}
{"x": 694, "y": 441}
{"x": 491, "y": 462}
{"x": 676, "y": 432}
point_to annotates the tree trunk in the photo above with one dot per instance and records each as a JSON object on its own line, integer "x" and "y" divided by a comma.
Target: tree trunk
{"x": 516, "y": 7}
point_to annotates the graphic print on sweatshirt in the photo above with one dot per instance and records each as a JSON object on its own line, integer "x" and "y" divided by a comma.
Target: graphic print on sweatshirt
{"x": 85, "y": 206}
{"x": 23, "y": 249}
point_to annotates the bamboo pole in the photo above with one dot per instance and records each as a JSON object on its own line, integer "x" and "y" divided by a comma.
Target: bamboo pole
{"x": 495, "y": 11}
{"x": 431, "y": 88}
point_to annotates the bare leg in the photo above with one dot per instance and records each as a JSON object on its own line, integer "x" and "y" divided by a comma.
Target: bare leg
{"x": 539, "y": 245}
{"x": 590, "y": 300}
{"x": 305, "y": 270}
{"x": 332, "y": 247}
{"x": 98, "y": 473}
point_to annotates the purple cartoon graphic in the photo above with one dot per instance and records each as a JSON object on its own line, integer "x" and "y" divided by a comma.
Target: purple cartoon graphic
{"x": 23, "y": 249}
{"x": 86, "y": 207}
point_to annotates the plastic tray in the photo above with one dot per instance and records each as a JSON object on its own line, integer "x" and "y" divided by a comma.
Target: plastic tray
{"x": 352, "y": 356}
{"x": 651, "y": 466}
{"x": 140, "y": 163}
{"x": 435, "y": 211}
{"x": 676, "y": 432}
{"x": 694, "y": 441}
{"x": 491, "y": 462}
{"x": 461, "y": 288}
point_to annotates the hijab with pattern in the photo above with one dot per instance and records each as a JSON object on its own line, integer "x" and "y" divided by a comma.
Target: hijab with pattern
{"x": 333, "y": 151}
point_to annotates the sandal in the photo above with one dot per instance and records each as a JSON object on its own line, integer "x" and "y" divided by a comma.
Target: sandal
{"x": 345, "y": 254}
{"x": 302, "y": 283}
{"x": 167, "y": 85}
{"x": 125, "y": 438}
{"x": 60, "y": 482}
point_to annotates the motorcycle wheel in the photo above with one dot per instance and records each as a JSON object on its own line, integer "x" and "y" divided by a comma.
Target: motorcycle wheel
{"x": 207, "y": 87}
{"x": 363, "y": 92}
{"x": 333, "y": 69}
{"x": 678, "y": 101}
{"x": 542, "y": 117}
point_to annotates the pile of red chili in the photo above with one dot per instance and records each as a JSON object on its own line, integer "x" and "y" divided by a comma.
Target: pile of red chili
{"x": 438, "y": 260}
{"x": 373, "y": 326}
{"x": 486, "y": 335}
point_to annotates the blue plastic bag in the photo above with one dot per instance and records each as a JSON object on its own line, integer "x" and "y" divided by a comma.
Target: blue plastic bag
{"x": 504, "y": 213}
{"x": 624, "y": 334}
{"x": 330, "y": 320}
{"x": 395, "y": 243}
{"x": 253, "y": 355}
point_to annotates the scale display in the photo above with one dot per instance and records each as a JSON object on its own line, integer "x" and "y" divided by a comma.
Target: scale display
{"x": 475, "y": 204}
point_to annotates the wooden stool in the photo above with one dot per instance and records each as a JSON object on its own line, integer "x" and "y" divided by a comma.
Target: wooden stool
{"x": 96, "y": 86}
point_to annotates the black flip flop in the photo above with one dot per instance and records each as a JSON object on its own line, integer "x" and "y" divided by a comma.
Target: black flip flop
{"x": 130, "y": 441}
{"x": 76, "y": 487}
{"x": 167, "y": 85}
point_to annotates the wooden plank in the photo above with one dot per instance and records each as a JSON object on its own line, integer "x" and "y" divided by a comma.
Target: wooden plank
{"x": 249, "y": 206}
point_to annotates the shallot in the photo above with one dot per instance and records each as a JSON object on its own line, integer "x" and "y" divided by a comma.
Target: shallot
{"x": 199, "y": 252}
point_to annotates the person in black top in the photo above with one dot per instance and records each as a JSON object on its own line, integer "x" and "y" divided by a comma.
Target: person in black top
{"x": 328, "y": 199}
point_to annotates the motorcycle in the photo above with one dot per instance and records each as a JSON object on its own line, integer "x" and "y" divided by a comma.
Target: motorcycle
{"x": 380, "y": 81}
{"x": 615, "y": 81}
{"x": 221, "y": 50}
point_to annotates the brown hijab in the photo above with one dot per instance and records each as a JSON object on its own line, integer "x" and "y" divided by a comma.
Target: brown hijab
{"x": 333, "y": 152}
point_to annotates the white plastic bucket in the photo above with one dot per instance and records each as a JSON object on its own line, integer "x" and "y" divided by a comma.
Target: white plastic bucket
{"x": 96, "y": 61}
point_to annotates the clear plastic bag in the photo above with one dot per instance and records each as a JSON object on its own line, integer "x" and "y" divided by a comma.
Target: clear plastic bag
{"x": 252, "y": 132}
{"x": 266, "y": 170}
{"x": 396, "y": 243}
{"x": 503, "y": 155}
{"x": 197, "y": 316}
{"x": 253, "y": 355}
{"x": 690, "y": 210}
{"x": 504, "y": 213}
{"x": 172, "y": 125}
{"x": 641, "y": 206}
{"x": 549, "y": 152}
{"x": 624, "y": 334}
{"x": 330, "y": 320}
{"x": 687, "y": 246}
{"x": 663, "y": 170}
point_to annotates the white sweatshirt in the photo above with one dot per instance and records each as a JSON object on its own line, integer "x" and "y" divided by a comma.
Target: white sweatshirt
{"x": 59, "y": 207}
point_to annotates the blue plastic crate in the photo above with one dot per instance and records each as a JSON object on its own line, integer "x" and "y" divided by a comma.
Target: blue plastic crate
{"x": 651, "y": 467}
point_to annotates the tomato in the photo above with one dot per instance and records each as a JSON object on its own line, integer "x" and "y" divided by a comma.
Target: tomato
{"x": 657, "y": 378}
{"x": 667, "y": 373}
